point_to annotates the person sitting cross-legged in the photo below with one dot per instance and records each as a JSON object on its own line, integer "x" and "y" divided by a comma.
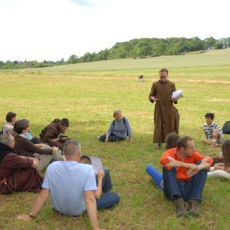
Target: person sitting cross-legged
{"x": 184, "y": 175}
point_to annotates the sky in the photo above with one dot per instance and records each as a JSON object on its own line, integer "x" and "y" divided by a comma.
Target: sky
{"x": 54, "y": 29}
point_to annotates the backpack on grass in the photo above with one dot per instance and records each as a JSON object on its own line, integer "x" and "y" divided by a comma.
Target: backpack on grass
{"x": 226, "y": 127}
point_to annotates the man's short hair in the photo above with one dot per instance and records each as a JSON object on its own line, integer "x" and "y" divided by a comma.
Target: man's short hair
{"x": 10, "y": 116}
{"x": 65, "y": 122}
{"x": 21, "y": 125}
{"x": 5, "y": 138}
{"x": 163, "y": 70}
{"x": 71, "y": 147}
{"x": 210, "y": 115}
{"x": 85, "y": 160}
{"x": 183, "y": 142}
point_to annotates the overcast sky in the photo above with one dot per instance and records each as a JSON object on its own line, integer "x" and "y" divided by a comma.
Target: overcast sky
{"x": 54, "y": 29}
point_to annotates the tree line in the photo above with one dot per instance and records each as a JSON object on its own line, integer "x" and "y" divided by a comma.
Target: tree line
{"x": 136, "y": 48}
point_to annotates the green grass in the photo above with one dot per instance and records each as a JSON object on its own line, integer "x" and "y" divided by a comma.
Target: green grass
{"x": 88, "y": 99}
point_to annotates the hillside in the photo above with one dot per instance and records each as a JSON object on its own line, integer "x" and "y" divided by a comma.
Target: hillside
{"x": 206, "y": 59}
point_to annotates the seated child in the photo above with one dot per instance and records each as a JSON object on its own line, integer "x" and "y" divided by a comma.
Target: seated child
{"x": 213, "y": 132}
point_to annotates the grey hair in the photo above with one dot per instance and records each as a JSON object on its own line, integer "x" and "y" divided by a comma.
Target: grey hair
{"x": 5, "y": 138}
{"x": 71, "y": 147}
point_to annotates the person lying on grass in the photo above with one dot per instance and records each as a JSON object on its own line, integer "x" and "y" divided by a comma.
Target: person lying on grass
{"x": 222, "y": 169}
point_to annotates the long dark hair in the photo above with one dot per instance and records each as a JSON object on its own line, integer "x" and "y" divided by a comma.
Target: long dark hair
{"x": 226, "y": 153}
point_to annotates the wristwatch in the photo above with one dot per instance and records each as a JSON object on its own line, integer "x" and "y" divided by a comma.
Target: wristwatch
{"x": 32, "y": 216}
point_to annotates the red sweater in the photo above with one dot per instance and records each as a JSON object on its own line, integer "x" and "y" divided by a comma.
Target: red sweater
{"x": 182, "y": 171}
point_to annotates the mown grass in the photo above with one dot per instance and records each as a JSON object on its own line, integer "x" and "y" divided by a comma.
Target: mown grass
{"x": 88, "y": 99}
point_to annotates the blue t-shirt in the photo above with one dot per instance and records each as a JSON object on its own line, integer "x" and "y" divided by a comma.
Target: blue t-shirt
{"x": 67, "y": 181}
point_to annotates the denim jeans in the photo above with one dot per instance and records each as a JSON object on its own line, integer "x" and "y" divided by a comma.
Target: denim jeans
{"x": 186, "y": 189}
{"x": 112, "y": 138}
{"x": 106, "y": 181}
{"x": 107, "y": 200}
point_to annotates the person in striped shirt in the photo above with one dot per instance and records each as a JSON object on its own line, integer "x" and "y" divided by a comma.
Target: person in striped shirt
{"x": 213, "y": 132}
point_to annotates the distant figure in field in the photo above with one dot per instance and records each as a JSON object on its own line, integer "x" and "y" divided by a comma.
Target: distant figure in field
{"x": 17, "y": 173}
{"x": 54, "y": 133}
{"x": 166, "y": 116}
{"x": 24, "y": 147}
{"x": 11, "y": 118}
{"x": 141, "y": 78}
{"x": 170, "y": 142}
{"x": 119, "y": 129}
{"x": 213, "y": 132}
{"x": 71, "y": 186}
{"x": 184, "y": 175}
{"x": 222, "y": 169}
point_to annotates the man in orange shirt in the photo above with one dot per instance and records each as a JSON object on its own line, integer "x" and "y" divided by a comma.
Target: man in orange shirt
{"x": 184, "y": 175}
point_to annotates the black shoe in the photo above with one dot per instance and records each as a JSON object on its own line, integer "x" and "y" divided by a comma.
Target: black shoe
{"x": 158, "y": 146}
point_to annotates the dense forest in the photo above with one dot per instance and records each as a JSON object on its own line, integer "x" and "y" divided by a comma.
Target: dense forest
{"x": 136, "y": 48}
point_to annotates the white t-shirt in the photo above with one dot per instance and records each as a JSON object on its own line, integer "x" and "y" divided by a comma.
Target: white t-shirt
{"x": 67, "y": 181}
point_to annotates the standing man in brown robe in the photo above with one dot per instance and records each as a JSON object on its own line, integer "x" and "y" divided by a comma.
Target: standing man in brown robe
{"x": 166, "y": 116}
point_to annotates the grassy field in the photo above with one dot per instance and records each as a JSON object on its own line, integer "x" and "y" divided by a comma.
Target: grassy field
{"x": 87, "y": 94}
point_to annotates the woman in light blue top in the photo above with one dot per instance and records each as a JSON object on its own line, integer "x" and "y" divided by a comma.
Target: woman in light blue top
{"x": 119, "y": 129}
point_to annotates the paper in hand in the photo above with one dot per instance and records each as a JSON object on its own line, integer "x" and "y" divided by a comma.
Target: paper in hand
{"x": 96, "y": 163}
{"x": 177, "y": 94}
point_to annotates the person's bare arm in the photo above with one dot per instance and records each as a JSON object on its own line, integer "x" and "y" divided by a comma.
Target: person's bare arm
{"x": 201, "y": 166}
{"x": 91, "y": 208}
{"x": 100, "y": 176}
{"x": 175, "y": 163}
{"x": 44, "y": 194}
{"x": 130, "y": 139}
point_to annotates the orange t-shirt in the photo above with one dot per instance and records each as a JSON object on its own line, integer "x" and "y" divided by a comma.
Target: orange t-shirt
{"x": 181, "y": 171}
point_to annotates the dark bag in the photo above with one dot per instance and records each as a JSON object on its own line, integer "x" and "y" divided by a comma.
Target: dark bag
{"x": 226, "y": 127}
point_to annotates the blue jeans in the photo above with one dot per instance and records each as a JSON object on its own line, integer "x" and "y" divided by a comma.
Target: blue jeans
{"x": 107, "y": 200}
{"x": 106, "y": 181}
{"x": 112, "y": 138}
{"x": 186, "y": 189}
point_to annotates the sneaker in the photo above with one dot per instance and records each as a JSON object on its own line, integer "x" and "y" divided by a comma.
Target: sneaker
{"x": 180, "y": 210}
{"x": 193, "y": 208}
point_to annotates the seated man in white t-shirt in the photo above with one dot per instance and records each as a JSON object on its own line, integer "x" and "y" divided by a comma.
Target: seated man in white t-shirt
{"x": 71, "y": 186}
